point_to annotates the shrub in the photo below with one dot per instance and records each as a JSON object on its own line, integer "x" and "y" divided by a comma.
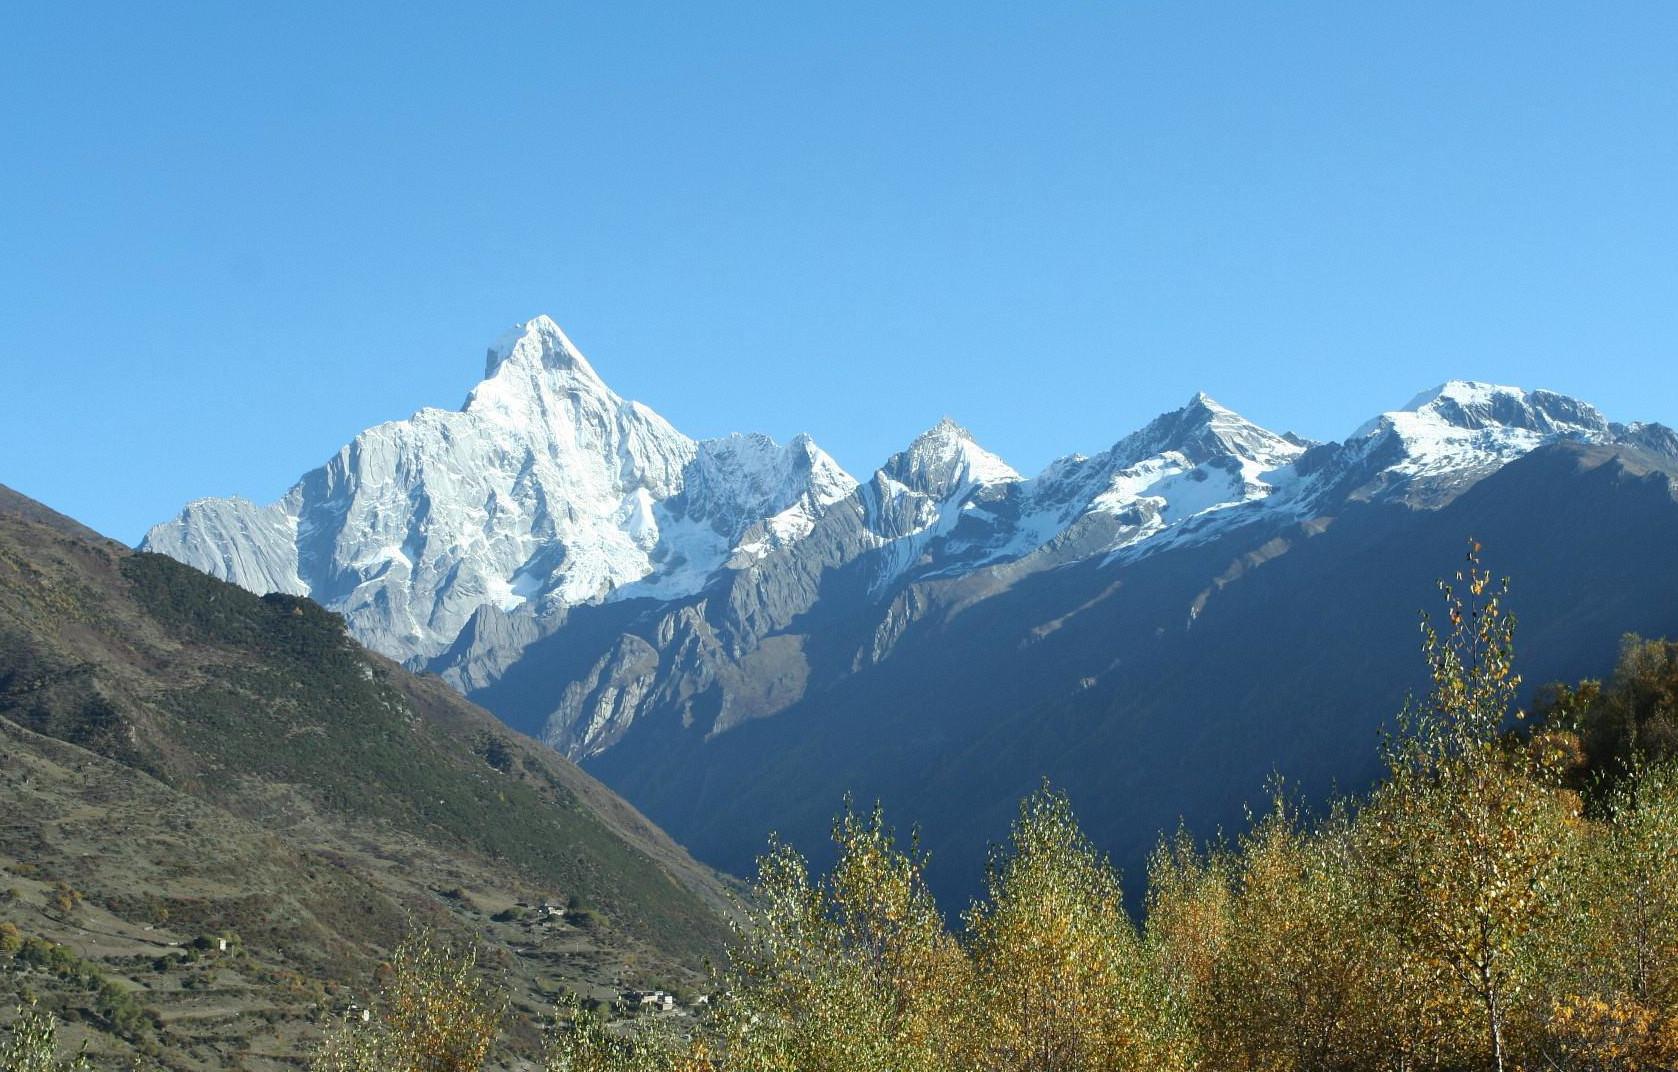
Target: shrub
{"x": 65, "y": 897}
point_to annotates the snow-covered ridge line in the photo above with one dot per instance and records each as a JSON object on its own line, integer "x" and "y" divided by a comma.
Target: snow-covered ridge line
{"x": 1193, "y": 472}
{"x": 547, "y": 490}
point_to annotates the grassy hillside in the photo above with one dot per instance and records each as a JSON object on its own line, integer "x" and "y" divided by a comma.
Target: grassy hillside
{"x": 186, "y": 762}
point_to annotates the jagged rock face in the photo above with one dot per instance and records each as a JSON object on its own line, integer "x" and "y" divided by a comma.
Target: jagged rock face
{"x": 710, "y": 619}
{"x": 1153, "y": 688}
{"x": 546, "y": 490}
{"x": 462, "y": 539}
{"x": 945, "y": 525}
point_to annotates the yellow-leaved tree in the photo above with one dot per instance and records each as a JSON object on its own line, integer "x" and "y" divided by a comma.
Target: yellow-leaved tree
{"x": 434, "y": 1013}
{"x": 1299, "y": 983}
{"x": 31, "y": 1045}
{"x": 1189, "y": 920}
{"x": 855, "y": 973}
{"x": 1470, "y": 835}
{"x": 1616, "y": 1000}
{"x": 582, "y": 1041}
{"x": 1060, "y": 971}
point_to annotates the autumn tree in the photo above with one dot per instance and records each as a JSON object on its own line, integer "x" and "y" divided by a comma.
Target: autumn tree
{"x": 433, "y": 1014}
{"x": 1616, "y": 1003}
{"x": 1302, "y": 983}
{"x": 1631, "y": 719}
{"x": 1469, "y": 834}
{"x": 582, "y": 1041}
{"x": 1188, "y": 926}
{"x": 852, "y": 972}
{"x": 1059, "y": 968}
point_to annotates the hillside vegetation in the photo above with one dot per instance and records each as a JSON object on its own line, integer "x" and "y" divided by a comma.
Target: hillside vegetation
{"x": 1502, "y": 900}
{"x": 218, "y": 814}
{"x": 1505, "y": 898}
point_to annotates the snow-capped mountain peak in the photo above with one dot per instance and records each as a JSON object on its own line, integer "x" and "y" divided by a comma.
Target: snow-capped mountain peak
{"x": 944, "y": 459}
{"x": 737, "y": 479}
{"x": 945, "y": 504}
{"x": 1184, "y": 468}
{"x": 827, "y": 482}
{"x": 538, "y": 342}
{"x": 1473, "y": 405}
{"x": 1446, "y": 438}
{"x": 535, "y": 377}
{"x": 1204, "y": 429}
{"x": 545, "y": 490}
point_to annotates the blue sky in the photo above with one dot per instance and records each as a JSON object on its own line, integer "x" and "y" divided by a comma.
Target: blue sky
{"x": 231, "y": 236}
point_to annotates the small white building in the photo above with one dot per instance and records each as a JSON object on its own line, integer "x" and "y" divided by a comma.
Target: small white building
{"x": 650, "y": 1000}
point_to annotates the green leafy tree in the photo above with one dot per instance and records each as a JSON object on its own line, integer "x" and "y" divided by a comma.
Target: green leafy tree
{"x": 31, "y": 1045}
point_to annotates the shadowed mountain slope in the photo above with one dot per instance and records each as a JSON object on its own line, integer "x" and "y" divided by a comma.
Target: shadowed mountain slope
{"x": 1174, "y": 687}
{"x": 734, "y": 634}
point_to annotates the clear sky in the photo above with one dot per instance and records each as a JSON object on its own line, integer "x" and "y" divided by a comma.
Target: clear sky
{"x": 233, "y": 235}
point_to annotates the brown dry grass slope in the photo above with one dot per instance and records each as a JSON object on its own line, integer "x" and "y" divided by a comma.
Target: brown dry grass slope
{"x": 182, "y": 762}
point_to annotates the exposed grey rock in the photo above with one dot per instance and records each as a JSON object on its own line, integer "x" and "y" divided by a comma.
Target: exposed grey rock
{"x": 545, "y": 491}
{"x": 734, "y": 632}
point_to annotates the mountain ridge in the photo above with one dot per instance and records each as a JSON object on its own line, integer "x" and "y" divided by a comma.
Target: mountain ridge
{"x": 771, "y": 529}
{"x": 566, "y": 494}
{"x": 1168, "y": 689}
{"x": 752, "y": 622}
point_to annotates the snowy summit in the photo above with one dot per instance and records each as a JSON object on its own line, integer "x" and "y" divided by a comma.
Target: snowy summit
{"x": 547, "y": 490}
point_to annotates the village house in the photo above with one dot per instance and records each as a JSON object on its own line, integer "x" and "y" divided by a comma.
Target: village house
{"x": 649, "y": 1000}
